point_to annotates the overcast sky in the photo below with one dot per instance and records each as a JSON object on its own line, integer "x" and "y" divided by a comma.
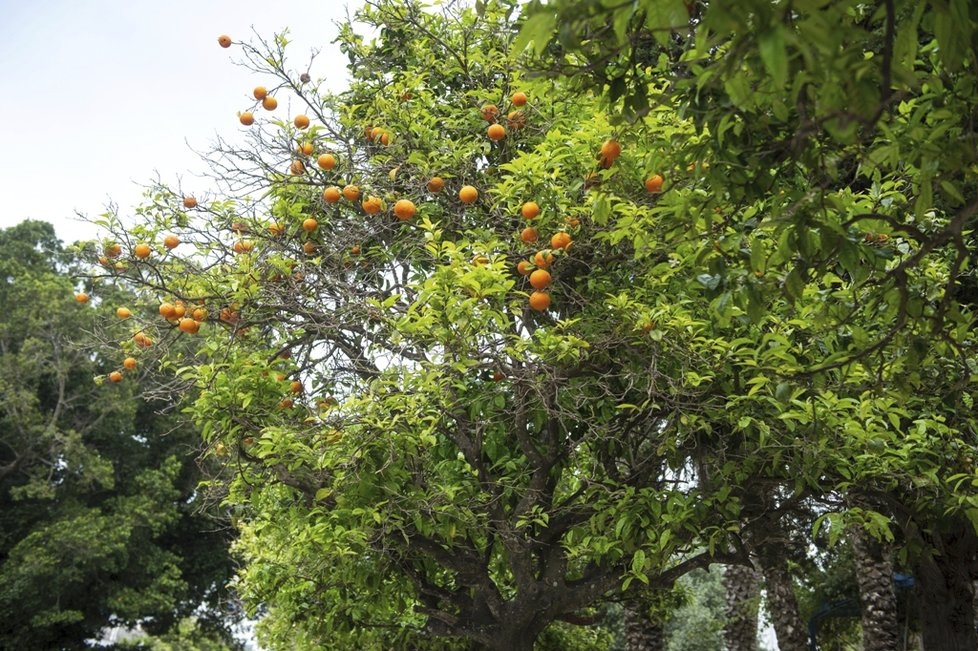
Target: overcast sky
{"x": 100, "y": 95}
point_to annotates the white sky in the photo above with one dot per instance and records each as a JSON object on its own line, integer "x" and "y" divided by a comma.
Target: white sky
{"x": 100, "y": 95}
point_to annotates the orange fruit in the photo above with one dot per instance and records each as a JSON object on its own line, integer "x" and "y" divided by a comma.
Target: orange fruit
{"x": 166, "y": 310}
{"x": 306, "y": 149}
{"x": 436, "y": 184}
{"x": 309, "y": 248}
{"x": 229, "y": 315}
{"x": 296, "y": 386}
{"x": 309, "y": 225}
{"x": 276, "y": 229}
{"x": 516, "y": 119}
{"x": 269, "y": 103}
{"x": 247, "y": 118}
{"x": 179, "y": 310}
{"x": 189, "y": 326}
{"x": 297, "y": 167}
{"x": 539, "y": 301}
{"x": 654, "y": 184}
{"x": 129, "y": 363}
{"x": 523, "y": 267}
{"x": 327, "y": 161}
{"x": 123, "y": 313}
{"x": 372, "y": 205}
{"x": 113, "y": 250}
{"x": 385, "y": 138}
{"x": 489, "y": 112}
{"x": 496, "y": 132}
{"x": 611, "y": 149}
{"x": 286, "y": 404}
{"x": 498, "y": 376}
{"x": 376, "y": 132}
{"x": 530, "y": 210}
{"x": 115, "y": 376}
{"x": 260, "y": 92}
{"x": 171, "y": 242}
{"x": 331, "y": 194}
{"x": 102, "y": 260}
{"x": 200, "y": 314}
{"x": 606, "y": 162}
{"x": 480, "y": 260}
{"x": 189, "y": 202}
{"x": 468, "y": 194}
{"x": 351, "y": 193}
{"x": 301, "y": 121}
{"x": 529, "y": 235}
{"x": 540, "y": 279}
{"x": 142, "y": 251}
{"x": 81, "y": 297}
{"x": 573, "y": 222}
{"x": 224, "y": 40}
{"x": 543, "y": 259}
{"x": 404, "y": 209}
{"x": 518, "y": 98}
{"x": 355, "y": 249}
{"x": 560, "y": 240}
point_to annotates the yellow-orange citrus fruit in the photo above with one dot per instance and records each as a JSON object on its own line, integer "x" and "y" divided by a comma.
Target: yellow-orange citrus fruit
{"x": 351, "y": 193}
{"x": 518, "y": 98}
{"x": 129, "y": 363}
{"x": 179, "y": 310}
{"x": 189, "y": 326}
{"x": 376, "y": 132}
{"x": 355, "y": 249}
{"x": 189, "y": 202}
{"x": 285, "y": 404}
{"x": 560, "y": 240}
{"x": 468, "y": 194}
{"x": 81, "y": 297}
{"x": 540, "y": 279}
{"x": 115, "y": 376}
{"x": 516, "y": 119}
{"x": 436, "y": 184}
{"x": 404, "y": 209}
{"x": 385, "y": 138}
{"x": 224, "y": 40}
{"x": 327, "y": 161}
{"x": 123, "y": 313}
{"x": 296, "y": 386}
{"x": 573, "y": 222}
{"x": 301, "y": 121}
{"x": 523, "y": 267}
{"x": 611, "y": 149}
{"x": 309, "y": 248}
{"x": 489, "y": 112}
{"x": 142, "y": 251}
{"x": 199, "y": 314}
{"x": 247, "y": 118}
{"x": 529, "y": 235}
{"x": 539, "y": 301}
{"x": 297, "y": 167}
{"x": 166, "y": 310}
{"x": 103, "y": 260}
{"x": 260, "y": 92}
{"x": 496, "y": 132}
{"x": 269, "y": 103}
{"x": 276, "y": 229}
{"x": 654, "y": 184}
{"x": 543, "y": 259}
{"x": 305, "y": 149}
{"x": 229, "y": 315}
{"x": 171, "y": 242}
{"x": 332, "y": 194}
{"x": 113, "y": 250}
{"x": 309, "y": 225}
{"x": 372, "y": 205}
{"x": 530, "y": 210}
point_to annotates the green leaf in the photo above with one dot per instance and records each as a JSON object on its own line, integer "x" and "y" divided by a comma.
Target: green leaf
{"x": 774, "y": 54}
{"x": 538, "y": 29}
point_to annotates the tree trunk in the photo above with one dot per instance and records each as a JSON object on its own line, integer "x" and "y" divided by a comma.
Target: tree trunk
{"x": 743, "y": 598}
{"x": 946, "y": 594}
{"x": 877, "y": 596}
{"x": 782, "y": 604}
{"x": 641, "y": 633}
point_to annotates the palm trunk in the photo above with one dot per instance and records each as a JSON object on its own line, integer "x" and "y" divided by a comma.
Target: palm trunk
{"x": 874, "y": 573}
{"x": 743, "y": 598}
{"x": 782, "y": 603}
{"x": 641, "y": 633}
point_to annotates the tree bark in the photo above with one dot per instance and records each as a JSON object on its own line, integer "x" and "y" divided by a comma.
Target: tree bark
{"x": 946, "y": 594}
{"x": 782, "y": 603}
{"x": 877, "y": 596}
{"x": 641, "y": 633}
{"x": 743, "y": 598}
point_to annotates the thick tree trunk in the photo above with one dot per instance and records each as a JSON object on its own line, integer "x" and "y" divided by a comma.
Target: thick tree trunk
{"x": 782, "y": 603}
{"x": 946, "y": 594}
{"x": 641, "y": 633}
{"x": 877, "y": 596}
{"x": 742, "y": 586}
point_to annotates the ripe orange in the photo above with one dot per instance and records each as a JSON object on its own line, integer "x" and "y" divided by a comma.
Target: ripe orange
{"x": 355, "y": 249}
{"x": 530, "y": 210}
{"x": 189, "y": 202}
{"x": 523, "y": 267}
{"x": 301, "y": 121}
{"x": 102, "y": 260}
{"x": 606, "y": 162}
{"x": 200, "y": 314}
{"x": 436, "y": 184}
{"x": 171, "y": 242}
{"x": 376, "y": 132}
{"x": 113, "y": 250}
{"x": 385, "y": 138}
{"x": 468, "y": 194}
{"x": 306, "y": 149}
{"x": 81, "y": 297}
{"x": 331, "y": 194}
{"x": 179, "y": 310}
{"x": 309, "y": 248}
{"x": 276, "y": 229}
{"x": 529, "y": 235}
{"x": 286, "y": 404}
{"x": 269, "y": 103}
{"x": 297, "y": 167}
{"x": 115, "y": 376}
{"x": 229, "y": 315}
{"x": 573, "y": 222}
{"x": 247, "y": 118}
{"x": 560, "y": 240}
{"x": 543, "y": 259}
{"x": 516, "y": 119}
{"x": 489, "y": 112}
{"x": 295, "y": 386}
{"x": 327, "y": 161}
{"x": 240, "y": 227}
{"x": 129, "y": 363}
{"x": 189, "y": 326}
{"x": 351, "y": 193}
{"x": 539, "y": 301}
{"x": 260, "y": 92}
{"x": 404, "y": 209}
{"x": 167, "y": 310}
{"x": 224, "y": 40}
{"x": 309, "y": 225}
{"x": 142, "y": 251}
{"x": 611, "y": 149}
{"x": 372, "y": 205}
{"x": 654, "y": 184}
{"x": 518, "y": 98}
{"x": 123, "y": 313}
{"x": 496, "y": 132}
{"x": 540, "y": 279}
